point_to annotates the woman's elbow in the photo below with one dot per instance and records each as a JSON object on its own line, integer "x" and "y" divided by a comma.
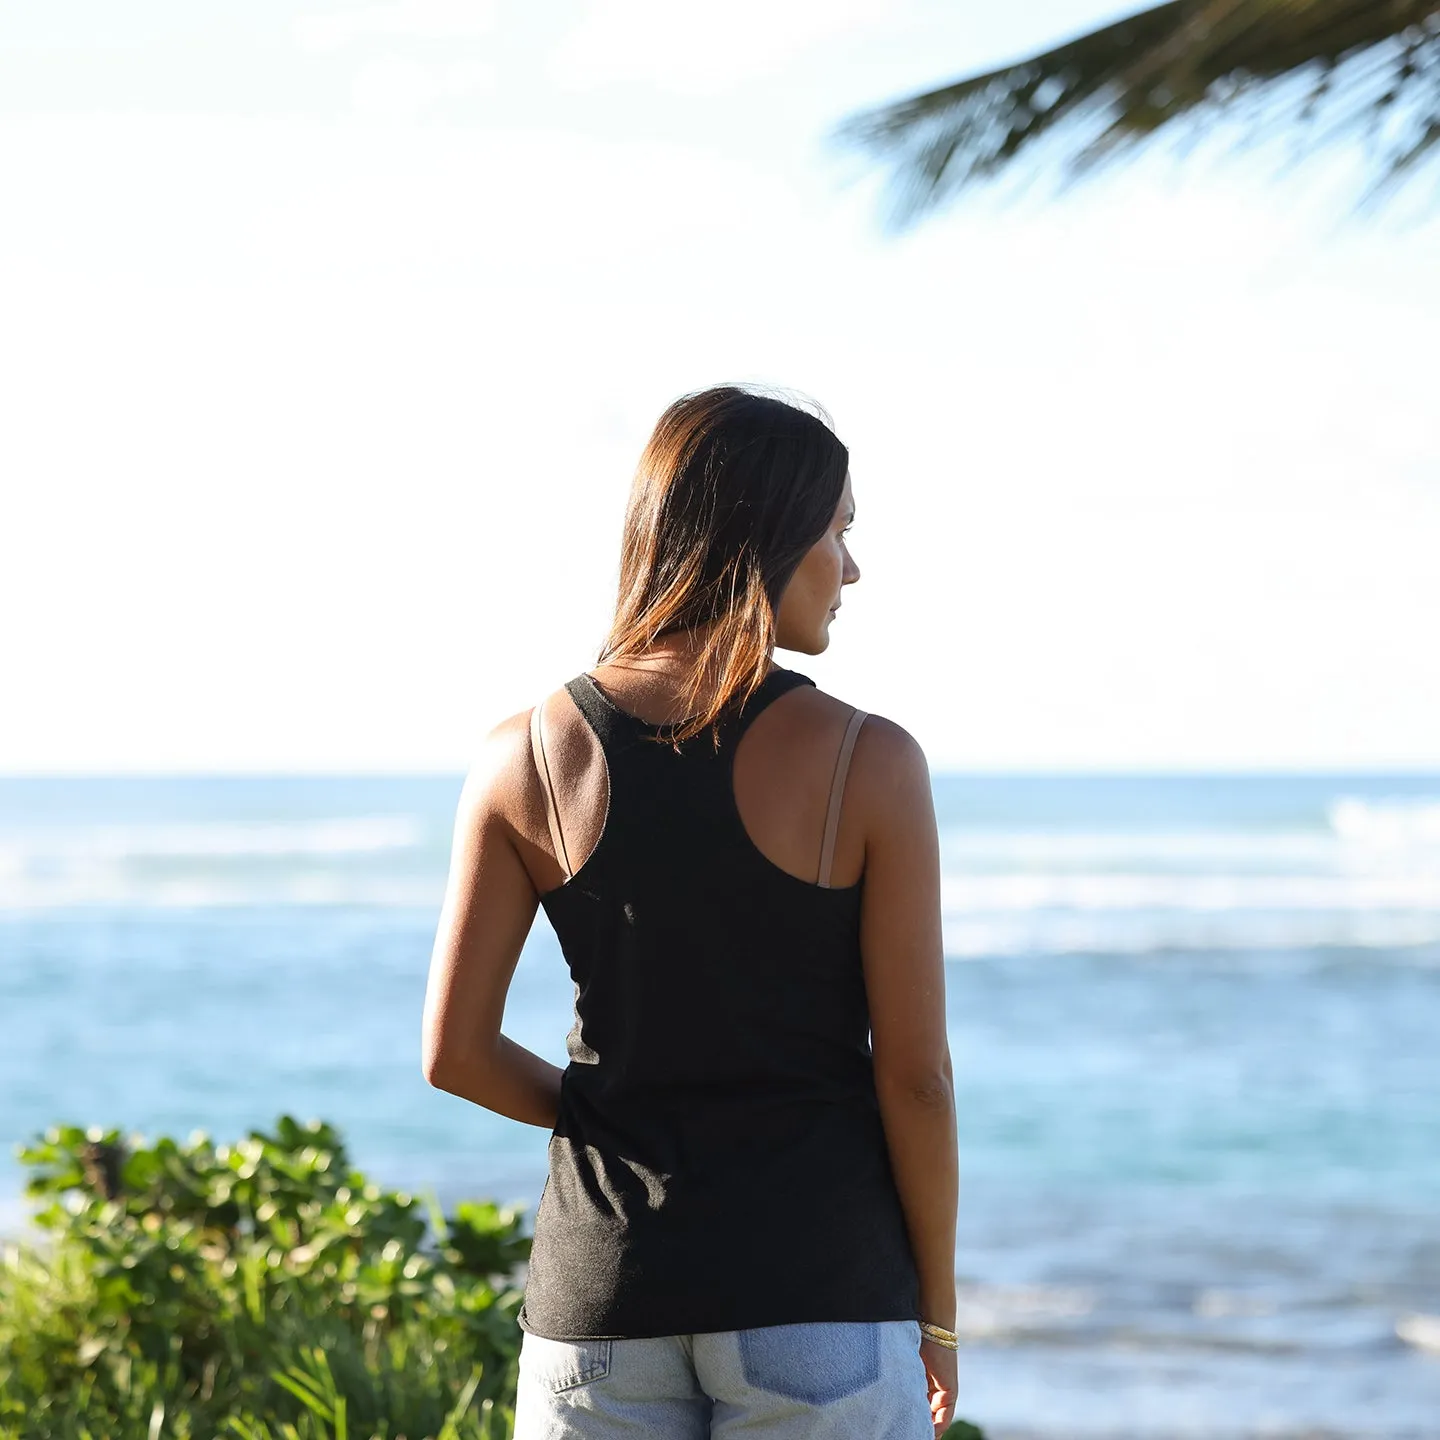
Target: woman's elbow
{"x": 928, "y": 1088}
{"x": 442, "y": 1065}
{"x": 433, "y": 1066}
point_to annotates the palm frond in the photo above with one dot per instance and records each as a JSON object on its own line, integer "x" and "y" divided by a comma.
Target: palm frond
{"x": 1372, "y": 64}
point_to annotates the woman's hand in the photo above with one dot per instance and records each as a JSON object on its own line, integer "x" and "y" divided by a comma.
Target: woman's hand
{"x": 942, "y": 1370}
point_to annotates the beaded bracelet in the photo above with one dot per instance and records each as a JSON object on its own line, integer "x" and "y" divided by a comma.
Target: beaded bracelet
{"x": 946, "y": 1339}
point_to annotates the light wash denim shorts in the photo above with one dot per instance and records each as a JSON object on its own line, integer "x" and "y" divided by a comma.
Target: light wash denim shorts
{"x": 829, "y": 1381}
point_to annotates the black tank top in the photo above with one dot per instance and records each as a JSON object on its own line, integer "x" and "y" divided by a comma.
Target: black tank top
{"x": 719, "y": 1161}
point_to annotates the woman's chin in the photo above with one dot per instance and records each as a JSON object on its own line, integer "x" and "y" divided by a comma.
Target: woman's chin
{"x": 819, "y": 642}
{"x": 812, "y": 641}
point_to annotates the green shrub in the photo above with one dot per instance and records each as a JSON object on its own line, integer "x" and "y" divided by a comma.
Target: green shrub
{"x": 262, "y": 1289}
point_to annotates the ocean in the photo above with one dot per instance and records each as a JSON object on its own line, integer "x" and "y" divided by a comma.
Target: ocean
{"x": 1195, "y": 1021}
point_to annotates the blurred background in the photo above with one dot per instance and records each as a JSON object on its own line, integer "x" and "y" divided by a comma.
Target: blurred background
{"x": 329, "y": 337}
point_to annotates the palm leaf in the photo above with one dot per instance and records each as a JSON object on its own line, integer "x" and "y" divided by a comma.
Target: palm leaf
{"x": 1326, "y": 66}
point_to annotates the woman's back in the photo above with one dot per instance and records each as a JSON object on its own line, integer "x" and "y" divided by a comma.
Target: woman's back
{"x": 718, "y": 1162}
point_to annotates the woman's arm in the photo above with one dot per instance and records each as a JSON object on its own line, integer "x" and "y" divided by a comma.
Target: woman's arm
{"x": 903, "y": 956}
{"x": 490, "y": 903}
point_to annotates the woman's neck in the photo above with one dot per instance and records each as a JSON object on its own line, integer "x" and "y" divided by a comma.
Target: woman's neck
{"x": 674, "y": 654}
{"x": 667, "y": 665}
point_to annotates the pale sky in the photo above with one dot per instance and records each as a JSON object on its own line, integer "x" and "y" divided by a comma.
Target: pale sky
{"x": 330, "y": 335}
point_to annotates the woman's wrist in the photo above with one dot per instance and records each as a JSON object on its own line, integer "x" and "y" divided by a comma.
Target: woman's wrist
{"x": 941, "y": 1335}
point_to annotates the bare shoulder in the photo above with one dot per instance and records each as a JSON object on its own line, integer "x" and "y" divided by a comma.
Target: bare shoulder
{"x": 498, "y": 784}
{"x": 890, "y": 748}
{"x": 884, "y": 749}
{"x": 887, "y": 787}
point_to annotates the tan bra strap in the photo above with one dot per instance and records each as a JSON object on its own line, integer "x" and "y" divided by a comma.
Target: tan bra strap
{"x": 837, "y": 789}
{"x": 542, "y": 766}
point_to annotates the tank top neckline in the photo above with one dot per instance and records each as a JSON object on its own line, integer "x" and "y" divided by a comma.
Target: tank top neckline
{"x": 593, "y": 686}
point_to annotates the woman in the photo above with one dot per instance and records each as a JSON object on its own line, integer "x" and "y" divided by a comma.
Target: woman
{"x": 749, "y": 1222}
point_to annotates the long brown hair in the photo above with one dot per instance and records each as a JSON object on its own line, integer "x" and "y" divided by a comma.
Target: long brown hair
{"x": 733, "y": 488}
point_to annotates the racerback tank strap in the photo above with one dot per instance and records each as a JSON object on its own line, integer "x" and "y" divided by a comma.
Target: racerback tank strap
{"x": 837, "y": 791}
{"x": 619, "y": 729}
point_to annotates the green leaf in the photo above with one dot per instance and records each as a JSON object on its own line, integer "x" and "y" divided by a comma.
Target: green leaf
{"x": 451, "y": 1428}
{"x": 297, "y": 1383}
{"x": 1268, "y": 64}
